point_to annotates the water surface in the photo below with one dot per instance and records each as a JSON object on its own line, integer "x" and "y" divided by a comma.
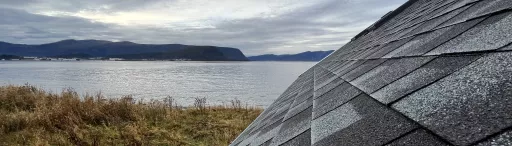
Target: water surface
{"x": 256, "y": 83}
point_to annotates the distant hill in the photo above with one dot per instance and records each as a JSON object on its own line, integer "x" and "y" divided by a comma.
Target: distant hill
{"x": 197, "y": 53}
{"x": 9, "y": 57}
{"x": 100, "y": 48}
{"x": 304, "y": 56}
{"x": 74, "y": 55}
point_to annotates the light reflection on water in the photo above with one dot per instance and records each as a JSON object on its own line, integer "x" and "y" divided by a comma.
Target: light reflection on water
{"x": 256, "y": 83}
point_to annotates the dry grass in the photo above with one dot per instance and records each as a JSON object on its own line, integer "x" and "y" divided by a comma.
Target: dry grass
{"x": 31, "y": 116}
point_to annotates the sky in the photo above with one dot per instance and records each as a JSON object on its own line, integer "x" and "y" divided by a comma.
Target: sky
{"x": 253, "y": 26}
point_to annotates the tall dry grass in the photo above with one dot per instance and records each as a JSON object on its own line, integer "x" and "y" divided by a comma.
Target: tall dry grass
{"x": 31, "y": 116}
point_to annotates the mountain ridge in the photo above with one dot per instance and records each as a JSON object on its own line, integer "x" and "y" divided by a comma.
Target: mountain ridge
{"x": 303, "y": 56}
{"x": 102, "y": 48}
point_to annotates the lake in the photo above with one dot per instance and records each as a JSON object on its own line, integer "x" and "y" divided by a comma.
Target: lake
{"x": 255, "y": 83}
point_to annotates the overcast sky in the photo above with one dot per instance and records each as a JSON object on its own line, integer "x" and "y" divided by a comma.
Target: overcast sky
{"x": 254, "y": 26}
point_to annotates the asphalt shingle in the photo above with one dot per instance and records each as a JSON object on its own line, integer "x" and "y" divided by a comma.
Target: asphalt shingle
{"x": 334, "y": 98}
{"x": 503, "y": 139}
{"x": 363, "y": 68}
{"x": 433, "y": 23}
{"x": 419, "y": 137}
{"x": 301, "y": 140}
{"x": 480, "y": 8}
{"x": 491, "y": 34}
{"x": 426, "y": 42}
{"x": 348, "y": 67}
{"x": 429, "y": 73}
{"x": 359, "y": 122}
{"x": 299, "y": 108}
{"x": 323, "y": 76}
{"x": 388, "y": 72}
{"x": 267, "y": 133}
{"x": 301, "y": 97}
{"x": 469, "y": 104}
{"x": 457, "y": 4}
{"x": 388, "y": 48}
{"x": 328, "y": 87}
{"x": 432, "y": 72}
{"x": 294, "y": 126}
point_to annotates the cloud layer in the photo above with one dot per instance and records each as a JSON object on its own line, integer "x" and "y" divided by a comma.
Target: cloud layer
{"x": 254, "y": 26}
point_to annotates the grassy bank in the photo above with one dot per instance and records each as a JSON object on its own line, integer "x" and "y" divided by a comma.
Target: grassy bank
{"x": 31, "y": 116}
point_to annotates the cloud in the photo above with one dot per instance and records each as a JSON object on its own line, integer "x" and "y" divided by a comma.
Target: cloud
{"x": 254, "y": 26}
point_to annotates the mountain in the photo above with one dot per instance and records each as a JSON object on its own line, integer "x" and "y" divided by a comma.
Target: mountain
{"x": 9, "y": 57}
{"x": 197, "y": 53}
{"x": 100, "y": 48}
{"x": 74, "y": 55}
{"x": 304, "y": 56}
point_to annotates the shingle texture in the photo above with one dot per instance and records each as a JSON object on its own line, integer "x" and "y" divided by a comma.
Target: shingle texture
{"x": 432, "y": 72}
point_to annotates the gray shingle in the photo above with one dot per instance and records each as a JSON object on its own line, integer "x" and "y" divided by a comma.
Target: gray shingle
{"x": 348, "y": 67}
{"x": 338, "y": 65}
{"x": 361, "y": 122}
{"x": 329, "y": 86}
{"x": 280, "y": 112}
{"x": 367, "y": 52}
{"x": 494, "y": 6}
{"x": 443, "y": 8}
{"x": 331, "y": 65}
{"x": 426, "y": 42}
{"x": 388, "y": 72}
{"x": 433, "y": 23}
{"x": 468, "y": 105}
{"x": 266, "y": 134}
{"x": 303, "y": 139}
{"x": 509, "y": 47}
{"x": 334, "y": 98}
{"x": 419, "y": 137}
{"x": 294, "y": 126}
{"x": 491, "y": 34}
{"x": 457, "y": 4}
{"x": 323, "y": 77}
{"x": 416, "y": 43}
{"x": 353, "y": 55}
{"x": 503, "y": 139}
{"x": 427, "y": 10}
{"x": 302, "y": 97}
{"x": 402, "y": 27}
{"x": 363, "y": 68}
{"x": 388, "y": 48}
{"x": 267, "y": 143}
{"x": 246, "y": 141}
{"x": 408, "y": 32}
{"x": 299, "y": 108}
{"x": 481, "y": 8}
{"x": 326, "y": 80}
{"x": 404, "y": 32}
{"x": 430, "y": 72}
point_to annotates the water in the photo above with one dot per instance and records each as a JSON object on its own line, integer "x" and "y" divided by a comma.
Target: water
{"x": 255, "y": 83}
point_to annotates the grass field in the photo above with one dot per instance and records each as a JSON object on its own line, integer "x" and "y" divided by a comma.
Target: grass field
{"x": 31, "y": 116}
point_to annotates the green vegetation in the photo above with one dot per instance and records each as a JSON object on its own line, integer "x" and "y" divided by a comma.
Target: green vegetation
{"x": 31, "y": 116}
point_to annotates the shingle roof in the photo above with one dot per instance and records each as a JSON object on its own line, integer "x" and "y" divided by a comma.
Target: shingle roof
{"x": 432, "y": 72}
